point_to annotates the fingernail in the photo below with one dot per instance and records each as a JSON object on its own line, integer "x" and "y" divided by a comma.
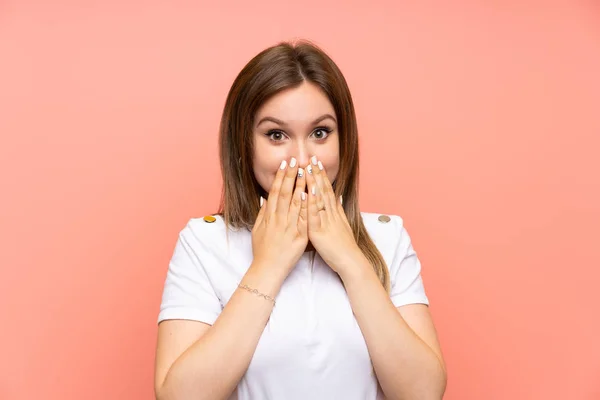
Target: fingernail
{"x": 314, "y": 160}
{"x": 320, "y": 166}
{"x": 300, "y": 172}
{"x": 314, "y": 190}
{"x": 309, "y": 169}
{"x": 341, "y": 201}
{"x": 293, "y": 162}
{"x": 303, "y": 196}
{"x": 282, "y": 166}
{"x": 261, "y": 201}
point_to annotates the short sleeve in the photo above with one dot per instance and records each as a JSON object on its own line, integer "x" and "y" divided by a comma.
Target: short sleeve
{"x": 188, "y": 292}
{"x": 405, "y": 272}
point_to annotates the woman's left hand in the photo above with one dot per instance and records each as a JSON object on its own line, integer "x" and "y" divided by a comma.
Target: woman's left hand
{"x": 328, "y": 228}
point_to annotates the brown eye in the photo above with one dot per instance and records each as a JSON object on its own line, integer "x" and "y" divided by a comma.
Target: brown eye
{"x": 276, "y": 136}
{"x": 321, "y": 133}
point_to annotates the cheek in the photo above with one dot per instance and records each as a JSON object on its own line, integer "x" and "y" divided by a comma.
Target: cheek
{"x": 332, "y": 174}
{"x": 330, "y": 157}
{"x": 262, "y": 175}
{"x": 332, "y": 166}
{"x": 265, "y": 167}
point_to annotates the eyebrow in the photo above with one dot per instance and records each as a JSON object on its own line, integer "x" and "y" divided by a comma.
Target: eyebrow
{"x": 280, "y": 122}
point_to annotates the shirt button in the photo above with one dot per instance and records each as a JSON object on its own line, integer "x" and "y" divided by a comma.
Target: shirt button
{"x": 210, "y": 219}
{"x": 384, "y": 219}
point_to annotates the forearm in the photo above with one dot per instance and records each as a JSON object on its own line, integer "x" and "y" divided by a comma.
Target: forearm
{"x": 212, "y": 367}
{"x": 406, "y": 367}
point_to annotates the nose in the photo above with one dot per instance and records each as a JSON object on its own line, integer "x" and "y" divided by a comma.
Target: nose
{"x": 302, "y": 155}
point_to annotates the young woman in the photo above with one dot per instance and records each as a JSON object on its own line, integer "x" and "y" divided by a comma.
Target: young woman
{"x": 290, "y": 292}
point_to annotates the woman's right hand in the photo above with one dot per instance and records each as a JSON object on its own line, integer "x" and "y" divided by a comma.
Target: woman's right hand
{"x": 280, "y": 233}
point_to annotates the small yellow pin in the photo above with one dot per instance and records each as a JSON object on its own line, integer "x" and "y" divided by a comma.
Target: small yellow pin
{"x": 210, "y": 219}
{"x": 384, "y": 218}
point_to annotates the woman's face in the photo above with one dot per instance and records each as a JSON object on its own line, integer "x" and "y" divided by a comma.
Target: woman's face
{"x": 299, "y": 122}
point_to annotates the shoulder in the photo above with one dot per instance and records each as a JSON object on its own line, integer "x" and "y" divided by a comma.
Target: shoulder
{"x": 386, "y": 230}
{"x": 206, "y": 225}
{"x": 382, "y": 225}
{"x": 206, "y": 231}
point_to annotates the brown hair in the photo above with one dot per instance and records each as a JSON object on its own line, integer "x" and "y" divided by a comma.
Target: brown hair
{"x": 280, "y": 67}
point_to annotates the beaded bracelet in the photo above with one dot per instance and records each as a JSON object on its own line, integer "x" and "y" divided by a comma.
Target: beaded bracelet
{"x": 256, "y": 292}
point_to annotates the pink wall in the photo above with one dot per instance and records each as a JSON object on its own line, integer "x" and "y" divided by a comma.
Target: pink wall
{"x": 480, "y": 125}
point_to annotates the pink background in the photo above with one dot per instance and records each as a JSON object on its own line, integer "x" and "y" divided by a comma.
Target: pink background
{"x": 479, "y": 123}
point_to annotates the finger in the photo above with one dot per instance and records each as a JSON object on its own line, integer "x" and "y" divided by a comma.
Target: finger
{"x": 342, "y": 211}
{"x": 275, "y": 187}
{"x": 322, "y": 206}
{"x": 327, "y": 196}
{"x": 261, "y": 212}
{"x": 287, "y": 189}
{"x": 303, "y": 216}
{"x": 314, "y": 220}
{"x": 341, "y": 206}
{"x": 296, "y": 205}
{"x": 328, "y": 184}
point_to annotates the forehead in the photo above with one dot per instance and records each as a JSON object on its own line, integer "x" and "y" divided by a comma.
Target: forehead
{"x": 299, "y": 104}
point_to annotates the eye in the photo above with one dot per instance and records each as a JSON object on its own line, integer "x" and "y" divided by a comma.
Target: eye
{"x": 275, "y": 135}
{"x": 322, "y": 132}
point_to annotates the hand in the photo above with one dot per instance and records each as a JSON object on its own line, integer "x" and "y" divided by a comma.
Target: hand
{"x": 328, "y": 228}
{"x": 280, "y": 234}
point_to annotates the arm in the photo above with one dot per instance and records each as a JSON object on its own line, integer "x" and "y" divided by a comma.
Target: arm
{"x": 402, "y": 342}
{"x": 218, "y": 356}
{"x": 402, "y": 345}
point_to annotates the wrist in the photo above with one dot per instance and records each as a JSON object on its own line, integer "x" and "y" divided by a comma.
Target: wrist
{"x": 264, "y": 278}
{"x": 354, "y": 267}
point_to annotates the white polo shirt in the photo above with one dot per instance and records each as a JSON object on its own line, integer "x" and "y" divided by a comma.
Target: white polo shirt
{"x": 312, "y": 346}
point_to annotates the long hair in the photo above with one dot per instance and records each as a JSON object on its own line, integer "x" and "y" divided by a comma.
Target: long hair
{"x": 288, "y": 65}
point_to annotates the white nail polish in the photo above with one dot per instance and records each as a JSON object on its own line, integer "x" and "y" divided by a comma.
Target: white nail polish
{"x": 320, "y": 165}
{"x": 314, "y": 160}
{"x": 303, "y": 196}
{"x": 309, "y": 169}
{"x": 261, "y": 201}
{"x": 293, "y": 162}
{"x": 283, "y": 164}
{"x": 300, "y": 172}
{"x": 314, "y": 190}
